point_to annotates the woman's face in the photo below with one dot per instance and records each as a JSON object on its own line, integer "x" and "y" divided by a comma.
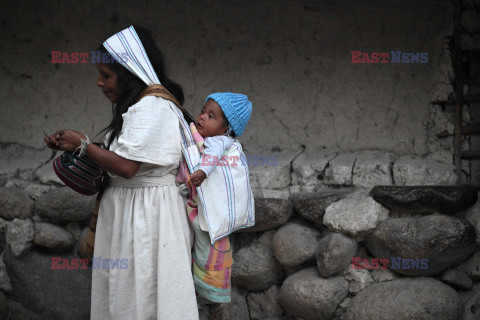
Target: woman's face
{"x": 107, "y": 80}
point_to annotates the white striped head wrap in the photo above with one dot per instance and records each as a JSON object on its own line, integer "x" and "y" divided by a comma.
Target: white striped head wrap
{"x": 126, "y": 48}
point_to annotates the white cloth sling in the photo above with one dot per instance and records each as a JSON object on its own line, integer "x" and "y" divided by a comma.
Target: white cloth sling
{"x": 226, "y": 198}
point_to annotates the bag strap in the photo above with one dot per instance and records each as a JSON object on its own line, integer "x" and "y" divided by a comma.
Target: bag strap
{"x": 158, "y": 90}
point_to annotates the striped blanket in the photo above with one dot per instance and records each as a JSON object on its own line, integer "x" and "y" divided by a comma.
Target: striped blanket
{"x": 212, "y": 263}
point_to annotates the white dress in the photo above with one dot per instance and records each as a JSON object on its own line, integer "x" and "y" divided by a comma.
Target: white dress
{"x": 143, "y": 220}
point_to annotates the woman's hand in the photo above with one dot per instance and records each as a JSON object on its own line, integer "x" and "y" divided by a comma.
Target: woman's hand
{"x": 51, "y": 142}
{"x": 66, "y": 140}
{"x": 69, "y": 140}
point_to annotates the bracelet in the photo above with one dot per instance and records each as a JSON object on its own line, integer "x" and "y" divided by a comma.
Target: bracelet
{"x": 84, "y": 143}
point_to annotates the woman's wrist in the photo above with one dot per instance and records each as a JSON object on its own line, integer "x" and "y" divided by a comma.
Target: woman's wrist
{"x": 84, "y": 143}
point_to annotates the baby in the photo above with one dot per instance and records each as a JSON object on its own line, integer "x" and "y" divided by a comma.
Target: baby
{"x": 222, "y": 119}
{"x": 214, "y": 126}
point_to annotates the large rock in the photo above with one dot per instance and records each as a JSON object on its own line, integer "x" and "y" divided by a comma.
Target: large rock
{"x": 440, "y": 93}
{"x": 342, "y": 308}
{"x": 471, "y": 266}
{"x": 267, "y": 238}
{"x": 49, "y": 292}
{"x": 20, "y": 235}
{"x": 17, "y": 183}
{"x": 255, "y": 268}
{"x": 19, "y": 312}
{"x": 307, "y": 295}
{"x": 53, "y": 237}
{"x": 295, "y": 243}
{"x": 383, "y": 275}
{"x": 358, "y": 279}
{"x": 471, "y": 301}
{"x": 355, "y": 214}
{"x": 75, "y": 228}
{"x": 15, "y": 158}
{"x": 373, "y": 168}
{"x": 4, "y": 279}
{"x": 265, "y": 305}
{"x": 15, "y": 203}
{"x": 3, "y": 232}
{"x": 457, "y": 278}
{"x": 237, "y": 309}
{"x": 47, "y": 175}
{"x": 443, "y": 241}
{"x": 36, "y": 190}
{"x": 309, "y": 167}
{"x": 339, "y": 171}
{"x": 270, "y": 213}
{"x": 271, "y": 171}
{"x": 240, "y": 240}
{"x": 406, "y": 299}
{"x": 411, "y": 171}
{"x": 271, "y": 194}
{"x": 4, "y": 312}
{"x": 312, "y": 205}
{"x": 14, "y": 183}
{"x": 65, "y": 204}
{"x": 426, "y": 199}
{"x": 473, "y": 216}
{"x": 442, "y": 155}
{"x": 203, "y": 310}
{"x": 335, "y": 252}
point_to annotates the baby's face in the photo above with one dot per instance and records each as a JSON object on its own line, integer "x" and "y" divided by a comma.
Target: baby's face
{"x": 210, "y": 120}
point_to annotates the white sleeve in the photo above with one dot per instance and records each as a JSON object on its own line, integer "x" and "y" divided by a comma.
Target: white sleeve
{"x": 214, "y": 147}
{"x": 150, "y": 133}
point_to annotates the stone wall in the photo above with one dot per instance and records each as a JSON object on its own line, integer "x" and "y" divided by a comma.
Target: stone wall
{"x": 325, "y": 222}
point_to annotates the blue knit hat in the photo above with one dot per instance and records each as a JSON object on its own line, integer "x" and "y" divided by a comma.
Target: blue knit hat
{"x": 236, "y": 107}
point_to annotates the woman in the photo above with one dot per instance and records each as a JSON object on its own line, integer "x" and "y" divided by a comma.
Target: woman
{"x": 141, "y": 217}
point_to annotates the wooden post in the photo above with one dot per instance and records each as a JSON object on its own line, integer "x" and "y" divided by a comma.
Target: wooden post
{"x": 458, "y": 90}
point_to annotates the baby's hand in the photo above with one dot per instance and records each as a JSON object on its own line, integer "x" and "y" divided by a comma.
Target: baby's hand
{"x": 197, "y": 178}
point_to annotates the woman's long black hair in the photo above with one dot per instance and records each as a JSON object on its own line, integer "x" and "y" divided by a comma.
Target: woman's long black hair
{"x": 130, "y": 86}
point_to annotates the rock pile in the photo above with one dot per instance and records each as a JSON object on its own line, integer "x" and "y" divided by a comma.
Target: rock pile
{"x": 357, "y": 235}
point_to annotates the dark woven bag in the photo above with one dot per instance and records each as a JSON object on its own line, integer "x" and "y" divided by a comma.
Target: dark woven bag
{"x": 79, "y": 173}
